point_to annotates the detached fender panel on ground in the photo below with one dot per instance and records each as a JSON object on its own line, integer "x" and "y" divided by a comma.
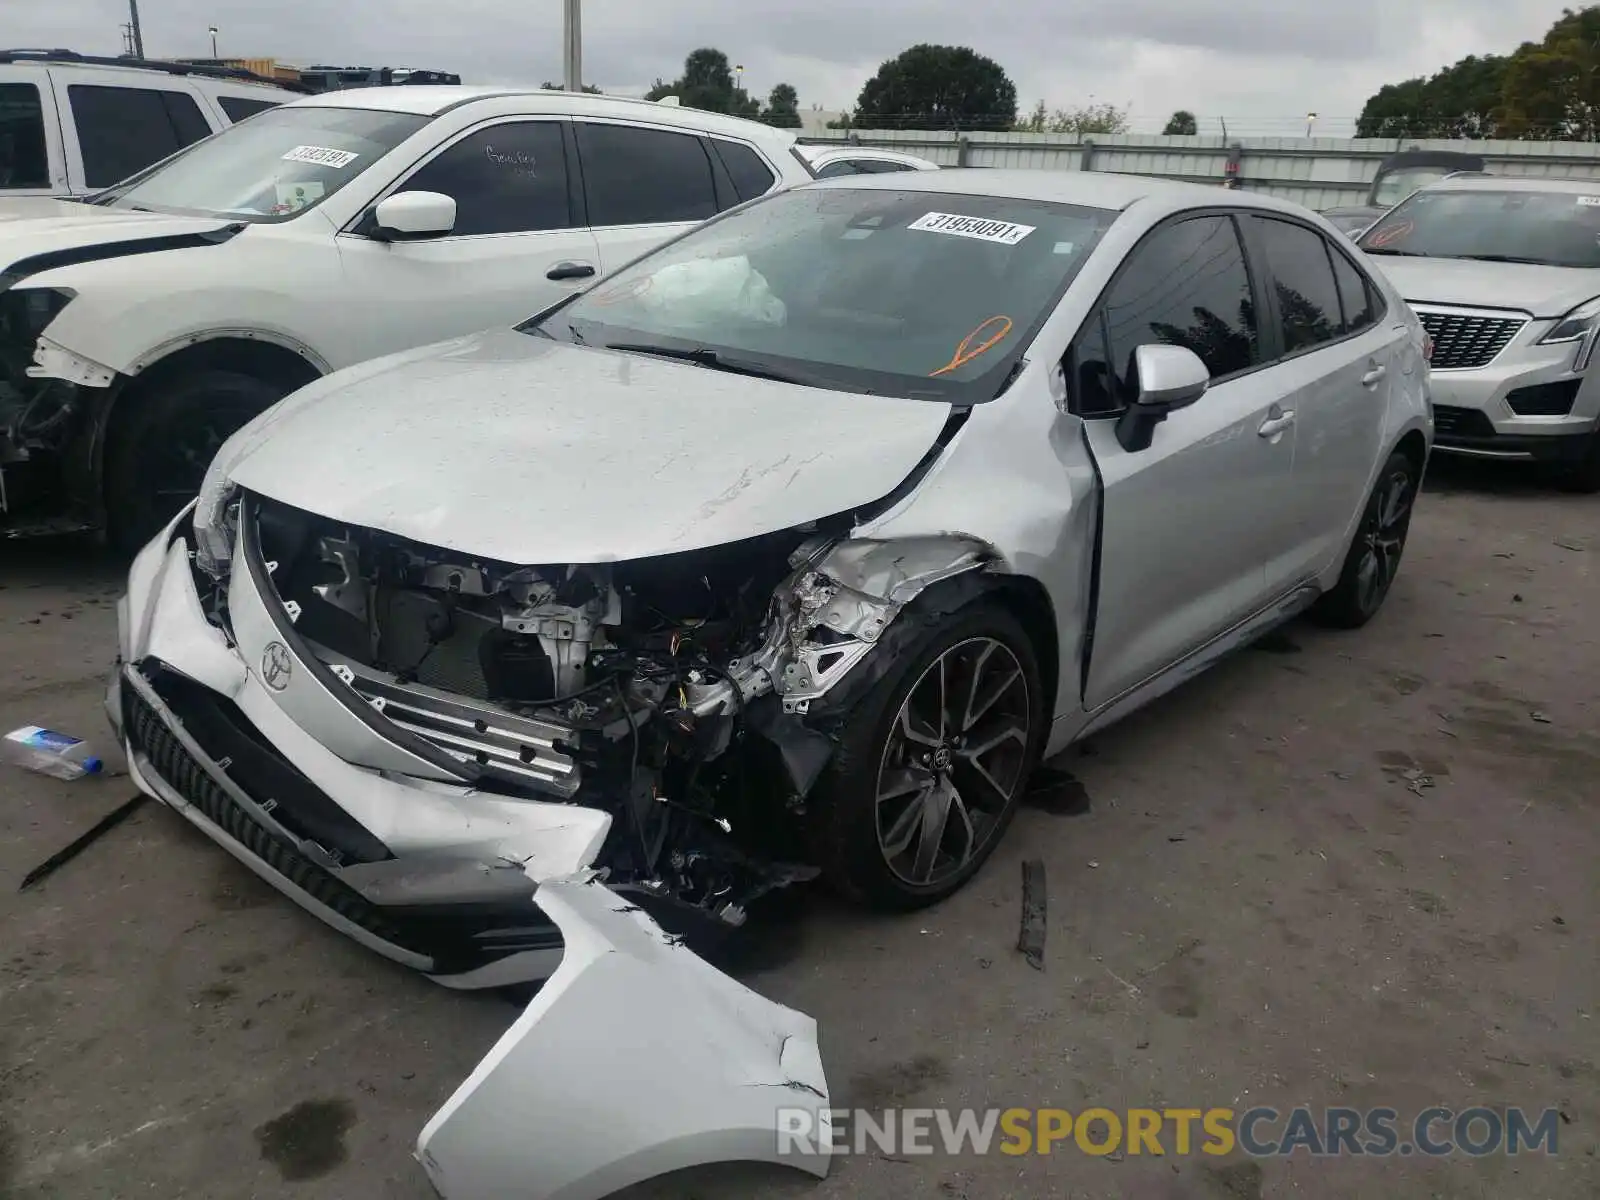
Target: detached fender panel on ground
{"x": 636, "y": 1058}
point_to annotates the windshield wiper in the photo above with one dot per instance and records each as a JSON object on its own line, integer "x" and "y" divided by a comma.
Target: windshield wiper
{"x": 1507, "y": 258}
{"x": 1386, "y": 250}
{"x": 706, "y": 357}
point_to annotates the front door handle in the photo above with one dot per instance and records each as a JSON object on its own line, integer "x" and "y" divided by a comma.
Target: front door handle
{"x": 1374, "y": 376}
{"x": 570, "y": 270}
{"x": 1273, "y": 426}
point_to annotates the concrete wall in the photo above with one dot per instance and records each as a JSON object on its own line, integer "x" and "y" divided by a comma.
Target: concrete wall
{"x": 1317, "y": 172}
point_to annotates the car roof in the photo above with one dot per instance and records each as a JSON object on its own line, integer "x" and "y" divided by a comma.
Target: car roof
{"x": 1515, "y": 183}
{"x": 211, "y": 76}
{"x": 430, "y": 100}
{"x": 1091, "y": 189}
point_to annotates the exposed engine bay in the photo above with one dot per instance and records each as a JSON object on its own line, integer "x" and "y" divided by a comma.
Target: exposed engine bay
{"x": 670, "y": 692}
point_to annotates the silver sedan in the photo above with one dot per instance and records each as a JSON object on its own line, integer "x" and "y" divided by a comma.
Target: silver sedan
{"x": 790, "y": 548}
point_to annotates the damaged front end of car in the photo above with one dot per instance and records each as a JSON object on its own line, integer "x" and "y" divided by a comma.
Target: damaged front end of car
{"x": 47, "y": 419}
{"x": 670, "y": 693}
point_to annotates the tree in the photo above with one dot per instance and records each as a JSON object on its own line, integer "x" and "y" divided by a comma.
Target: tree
{"x": 938, "y": 87}
{"x": 1182, "y": 124}
{"x": 783, "y": 107}
{"x": 556, "y": 87}
{"x": 1461, "y": 101}
{"x": 707, "y": 83}
{"x": 1081, "y": 122}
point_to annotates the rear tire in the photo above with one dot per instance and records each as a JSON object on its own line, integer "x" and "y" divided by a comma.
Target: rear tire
{"x": 905, "y": 761}
{"x": 1374, "y": 557}
{"x": 163, "y": 441}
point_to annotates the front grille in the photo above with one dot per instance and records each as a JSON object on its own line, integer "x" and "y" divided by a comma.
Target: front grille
{"x": 520, "y": 750}
{"x": 1463, "y": 341}
{"x": 1461, "y": 422}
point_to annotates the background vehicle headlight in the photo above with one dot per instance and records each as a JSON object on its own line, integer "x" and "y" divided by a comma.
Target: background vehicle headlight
{"x": 1576, "y": 326}
{"x": 214, "y": 522}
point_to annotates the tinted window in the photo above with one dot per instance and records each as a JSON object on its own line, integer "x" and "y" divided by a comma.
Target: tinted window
{"x": 123, "y": 130}
{"x": 1302, "y": 282}
{"x": 24, "y": 162}
{"x": 878, "y": 166}
{"x": 644, "y": 176}
{"x": 751, "y": 177}
{"x": 505, "y": 179}
{"x": 1186, "y": 285}
{"x": 1354, "y": 295}
{"x": 238, "y": 109}
{"x": 842, "y": 166}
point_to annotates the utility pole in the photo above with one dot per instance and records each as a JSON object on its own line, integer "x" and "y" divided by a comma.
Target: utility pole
{"x": 133, "y": 29}
{"x": 572, "y": 29}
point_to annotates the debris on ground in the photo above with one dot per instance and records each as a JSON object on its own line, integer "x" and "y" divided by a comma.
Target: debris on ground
{"x": 59, "y": 755}
{"x": 1539, "y": 717}
{"x": 1031, "y": 938}
{"x": 81, "y": 843}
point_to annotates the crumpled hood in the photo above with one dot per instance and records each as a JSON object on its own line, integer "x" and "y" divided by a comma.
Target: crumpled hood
{"x": 31, "y": 226}
{"x": 1542, "y": 291}
{"x": 512, "y": 447}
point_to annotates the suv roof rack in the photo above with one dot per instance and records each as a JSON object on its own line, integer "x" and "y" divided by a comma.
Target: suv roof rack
{"x": 238, "y": 74}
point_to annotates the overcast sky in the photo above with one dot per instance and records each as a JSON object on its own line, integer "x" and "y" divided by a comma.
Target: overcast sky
{"x": 1261, "y": 64}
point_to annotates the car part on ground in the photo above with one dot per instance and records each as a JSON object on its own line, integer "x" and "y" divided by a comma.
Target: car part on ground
{"x": 1504, "y": 274}
{"x": 636, "y": 1058}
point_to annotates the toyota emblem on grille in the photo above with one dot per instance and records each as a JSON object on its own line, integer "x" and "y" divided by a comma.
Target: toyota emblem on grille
{"x": 276, "y": 666}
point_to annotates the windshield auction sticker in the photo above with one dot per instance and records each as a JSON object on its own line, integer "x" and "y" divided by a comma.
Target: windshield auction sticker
{"x": 1003, "y": 232}
{"x": 322, "y": 156}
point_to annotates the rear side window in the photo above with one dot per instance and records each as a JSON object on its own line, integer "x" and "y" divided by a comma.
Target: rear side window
{"x": 635, "y": 176}
{"x": 1309, "y": 313}
{"x": 840, "y": 166}
{"x": 1355, "y": 295}
{"x": 239, "y": 108}
{"x": 508, "y": 178}
{"x": 24, "y": 162}
{"x": 121, "y": 131}
{"x": 751, "y": 177}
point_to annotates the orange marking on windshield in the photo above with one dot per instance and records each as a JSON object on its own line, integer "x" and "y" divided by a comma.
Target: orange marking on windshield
{"x": 1392, "y": 234}
{"x": 975, "y": 344}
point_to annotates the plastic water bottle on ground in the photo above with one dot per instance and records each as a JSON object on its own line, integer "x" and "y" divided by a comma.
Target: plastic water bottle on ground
{"x": 49, "y": 753}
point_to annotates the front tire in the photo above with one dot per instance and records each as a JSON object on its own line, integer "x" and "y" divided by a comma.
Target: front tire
{"x": 1583, "y": 476}
{"x": 163, "y": 442}
{"x": 1373, "y": 561}
{"x": 933, "y": 763}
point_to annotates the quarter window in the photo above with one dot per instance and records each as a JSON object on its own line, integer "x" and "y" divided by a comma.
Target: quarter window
{"x": 751, "y": 177}
{"x": 635, "y": 176}
{"x": 508, "y": 178}
{"x": 24, "y": 162}
{"x": 1355, "y": 295}
{"x": 121, "y": 131}
{"x": 237, "y": 108}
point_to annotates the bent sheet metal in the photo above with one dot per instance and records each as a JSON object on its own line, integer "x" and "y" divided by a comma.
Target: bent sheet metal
{"x": 636, "y": 1058}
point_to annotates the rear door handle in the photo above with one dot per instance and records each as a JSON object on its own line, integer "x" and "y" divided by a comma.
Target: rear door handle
{"x": 570, "y": 270}
{"x": 1273, "y": 426}
{"x": 1374, "y": 376}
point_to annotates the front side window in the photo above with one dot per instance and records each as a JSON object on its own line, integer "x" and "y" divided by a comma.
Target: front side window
{"x": 121, "y": 131}
{"x": 24, "y": 160}
{"x": 509, "y": 178}
{"x": 1186, "y": 285}
{"x": 928, "y": 295}
{"x": 1556, "y": 229}
{"x": 1356, "y": 295}
{"x": 272, "y": 167}
{"x": 1309, "y": 313}
{"x": 637, "y": 176}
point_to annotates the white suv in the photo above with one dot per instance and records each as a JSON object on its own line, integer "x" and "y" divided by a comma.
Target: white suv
{"x": 140, "y": 329}
{"x": 71, "y": 124}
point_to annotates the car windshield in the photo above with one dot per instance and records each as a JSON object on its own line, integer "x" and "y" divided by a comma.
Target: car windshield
{"x": 269, "y": 168}
{"x": 1397, "y": 185}
{"x": 1557, "y": 229}
{"x": 908, "y": 293}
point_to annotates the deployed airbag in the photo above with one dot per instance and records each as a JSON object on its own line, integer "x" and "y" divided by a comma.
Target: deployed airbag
{"x": 636, "y": 1058}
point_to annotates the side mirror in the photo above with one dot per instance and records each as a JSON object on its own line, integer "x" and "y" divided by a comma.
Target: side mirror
{"x": 1169, "y": 378}
{"x": 409, "y": 216}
